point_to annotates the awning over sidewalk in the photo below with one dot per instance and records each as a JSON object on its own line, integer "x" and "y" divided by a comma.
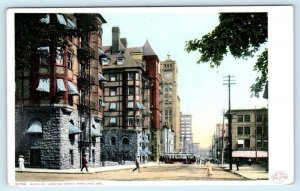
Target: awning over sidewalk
{"x": 250, "y": 154}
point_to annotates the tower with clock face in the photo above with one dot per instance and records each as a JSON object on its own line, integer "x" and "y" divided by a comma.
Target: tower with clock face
{"x": 170, "y": 103}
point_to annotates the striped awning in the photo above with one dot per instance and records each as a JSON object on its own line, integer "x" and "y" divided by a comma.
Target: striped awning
{"x": 44, "y": 85}
{"x": 73, "y": 129}
{"x": 72, "y": 89}
{"x": 35, "y": 127}
{"x": 96, "y": 133}
{"x": 250, "y": 154}
{"x": 60, "y": 85}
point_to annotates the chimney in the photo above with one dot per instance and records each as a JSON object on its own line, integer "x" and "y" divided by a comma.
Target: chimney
{"x": 115, "y": 40}
{"x": 124, "y": 42}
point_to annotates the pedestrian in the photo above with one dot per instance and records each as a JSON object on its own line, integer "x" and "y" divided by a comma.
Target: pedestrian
{"x": 249, "y": 162}
{"x": 137, "y": 164}
{"x": 209, "y": 168}
{"x": 84, "y": 163}
{"x": 21, "y": 163}
{"x": 237, "y": 164}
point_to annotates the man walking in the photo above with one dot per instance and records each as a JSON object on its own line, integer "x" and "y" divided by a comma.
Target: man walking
{"x": 137, "y": 164}
{"x": 84, "y": 163}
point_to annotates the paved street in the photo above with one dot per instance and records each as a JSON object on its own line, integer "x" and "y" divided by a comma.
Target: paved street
{"x": 148, "y": 172}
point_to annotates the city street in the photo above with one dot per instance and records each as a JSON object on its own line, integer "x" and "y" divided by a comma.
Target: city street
{"x": 148, "y": 173}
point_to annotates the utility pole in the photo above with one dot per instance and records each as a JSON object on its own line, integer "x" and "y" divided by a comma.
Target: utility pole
{"x": 229, "y": 81}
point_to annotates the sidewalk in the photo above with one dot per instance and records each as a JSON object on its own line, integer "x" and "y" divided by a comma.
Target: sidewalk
{"x": 91, "y": 170}
{"x": 253, "y": 172}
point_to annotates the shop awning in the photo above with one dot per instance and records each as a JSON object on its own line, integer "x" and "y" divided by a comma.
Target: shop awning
{"x": 73, "y": 129}
{"x": 95, "y": 133}
{"x": 101, "y": 77}
{"x": 44, "y": 85}
{"x": 72, "y": 89}
{"x": 142, "y": 153}
{"x": 60, "y": 85}
{"x": 139, "y": 105}
{"x": 250, "y": 154}
{"x": 35, "y": 127}
{"x": 147, "y": 151}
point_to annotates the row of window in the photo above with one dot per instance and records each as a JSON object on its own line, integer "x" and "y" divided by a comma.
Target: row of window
{"x": 247, "y": 130}
{"x": 246, "y": 118}
{"x": 130, "y": 105}
{"x": 131, "y": 121}
{"x": 130, "y": 76}
{"x": 245, "y": 143}
{"x": 113, "y": 91}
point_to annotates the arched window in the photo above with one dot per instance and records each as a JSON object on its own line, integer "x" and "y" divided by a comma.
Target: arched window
{"x": 125, "y": 141}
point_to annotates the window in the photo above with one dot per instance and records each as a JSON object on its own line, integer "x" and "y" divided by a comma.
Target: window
{"x": 130, "y": 90}
{"x": 113, "y": 141}
{"x": 247, "y": 143}
{"x": 112, "y": 106}
{"x": 120, "y": 61}
{"x": 70, "y": 56}
{"x": 113, "y": 91}
{"x": 125, "y": 141}
{"x": 259, "y": 130}
{"x": 113, "y": 77}
{"x": 130, "y": 104}
{"x": 259, "y": 118}
{"x": 104, "y": 61}
{"x": 259, "y": 143}
{"x": 247, "y": 118}
{"x": 239, "y": 118}
{"x": 247, "y": 131}
{"x": 113, "y": 121}
{"x": 240, "y": 131}
{"x": 71, "y": 157}
{"x": 137, "y": 121}
{"x": 59, "y": 56}
{"x": 43, "y": 55}
{"x": 131, "y": 76}
{"x": 130, "y": 121}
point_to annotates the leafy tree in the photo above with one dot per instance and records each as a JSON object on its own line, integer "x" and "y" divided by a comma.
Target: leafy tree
{"x": 28, "y": 30}
{"x": 241, "y": 34}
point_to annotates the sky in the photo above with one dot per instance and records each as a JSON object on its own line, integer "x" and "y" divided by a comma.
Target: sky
{"x": 200, "y": 88}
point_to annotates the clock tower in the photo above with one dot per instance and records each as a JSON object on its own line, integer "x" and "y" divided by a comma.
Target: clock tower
{"x": 170, "y": 105}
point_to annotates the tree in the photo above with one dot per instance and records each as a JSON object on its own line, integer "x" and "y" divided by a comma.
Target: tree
{"x": 241, "y": 34}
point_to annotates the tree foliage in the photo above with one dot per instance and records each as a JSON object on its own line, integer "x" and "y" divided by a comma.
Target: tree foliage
{"x": 28, "y": 30}
{"x": 241, "y": 34}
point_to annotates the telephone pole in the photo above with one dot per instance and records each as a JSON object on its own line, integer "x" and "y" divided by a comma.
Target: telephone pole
{"x": 229, "y": 81}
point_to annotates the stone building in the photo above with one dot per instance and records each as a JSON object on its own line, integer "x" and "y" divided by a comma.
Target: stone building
{"x": 126, "y": 132}
{"x": 250, "y": 134}
{"x": 59, "y": 96}
{"x": 170, "y": 101}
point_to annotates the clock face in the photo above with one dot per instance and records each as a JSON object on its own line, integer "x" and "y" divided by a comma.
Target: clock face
{"x": 168, "y": 75}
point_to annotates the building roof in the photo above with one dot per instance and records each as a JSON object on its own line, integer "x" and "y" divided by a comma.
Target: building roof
{"x": 147, "y": 49}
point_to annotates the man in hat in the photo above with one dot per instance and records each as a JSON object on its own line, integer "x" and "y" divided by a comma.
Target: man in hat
{"x": 137, "y": 164}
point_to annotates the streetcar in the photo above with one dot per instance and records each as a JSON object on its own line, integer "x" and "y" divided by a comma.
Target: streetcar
{"x": 185, "y": 158}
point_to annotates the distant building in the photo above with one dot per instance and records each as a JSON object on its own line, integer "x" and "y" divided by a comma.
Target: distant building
{"x": 250, "y": 133}
{"x": 186, "y": 135}
{"x": 59, "y": 97}
{"x": 170, "y": 101}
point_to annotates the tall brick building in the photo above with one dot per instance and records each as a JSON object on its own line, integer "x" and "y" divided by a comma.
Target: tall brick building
{"x": 59, "y": 97}
{"x": 126, "y": 132}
